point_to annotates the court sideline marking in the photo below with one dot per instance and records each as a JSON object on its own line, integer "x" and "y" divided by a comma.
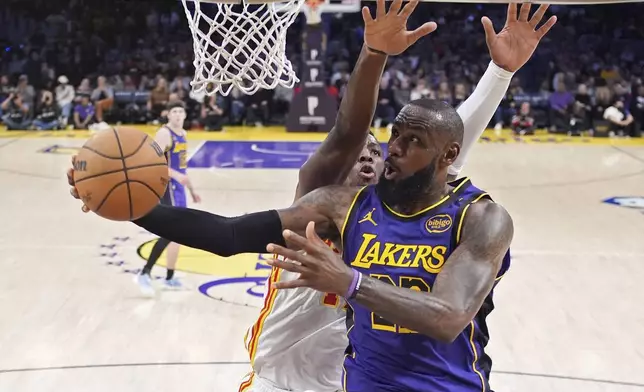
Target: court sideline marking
{"x": 221, "y": 363}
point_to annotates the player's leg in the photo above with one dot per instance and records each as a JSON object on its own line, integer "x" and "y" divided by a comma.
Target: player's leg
{"x": 172, "y": 255}
{"x": 179, "y": 199}
{"x": 144, "y": 279}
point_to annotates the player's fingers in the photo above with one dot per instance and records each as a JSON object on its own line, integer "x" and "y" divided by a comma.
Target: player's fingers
{"x": 420, "y": 32}
{"x": 380, "y": 9}
{"x": 85, "y": 208}
{"x": 394, "y": 8}
{"x": 536, "y": 18}
{"x": 488, "y": 27}
{"x": 286, "y": 265}
{"x": 313, "y": 236}
{"x": 70, "y": 176}
{"x": 290, "y": 284}
{"x": 543, "y": 30}
{"x": 512, "y": 13}
{"x": 292, "y": 255}
{"x": 366, "y": 15}
{"x": 301, "y": 242}
{"x": 409, "y": 8}
{"x": 524, "y": 12}
{"x": 74, "y": 193}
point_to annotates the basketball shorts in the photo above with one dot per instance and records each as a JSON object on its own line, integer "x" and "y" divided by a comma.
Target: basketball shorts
{"x": 175, "y": 195}
{"x": 254, "y": 383}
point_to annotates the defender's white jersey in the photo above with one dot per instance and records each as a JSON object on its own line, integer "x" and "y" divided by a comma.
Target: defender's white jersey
{"x": 299, "y": 339}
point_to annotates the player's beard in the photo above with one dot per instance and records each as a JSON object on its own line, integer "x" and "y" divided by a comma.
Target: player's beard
{"x": 407, "y": 192}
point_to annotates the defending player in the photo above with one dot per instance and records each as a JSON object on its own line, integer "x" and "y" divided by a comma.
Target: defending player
{"x": 171, "y": 137}
{"x": 283, "y": 346}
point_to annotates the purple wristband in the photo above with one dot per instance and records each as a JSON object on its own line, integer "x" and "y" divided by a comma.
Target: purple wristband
{"x": 354, "y": 283}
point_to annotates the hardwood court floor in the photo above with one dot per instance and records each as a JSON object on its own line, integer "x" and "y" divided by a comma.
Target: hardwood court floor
{"x": 71, "y": 319}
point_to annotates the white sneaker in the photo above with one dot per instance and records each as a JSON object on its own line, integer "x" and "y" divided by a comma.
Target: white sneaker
{"x": 145, "y": 284}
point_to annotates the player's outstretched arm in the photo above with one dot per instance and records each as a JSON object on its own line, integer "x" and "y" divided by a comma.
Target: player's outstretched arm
{"x": 510, "y": 49}
{"x": 249, "y": 233}
{"x": 460, "y": 288}
{"x": 385, "y": 35}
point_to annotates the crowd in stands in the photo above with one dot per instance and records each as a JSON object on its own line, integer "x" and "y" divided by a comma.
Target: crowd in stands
{"x": 76, "y": 63}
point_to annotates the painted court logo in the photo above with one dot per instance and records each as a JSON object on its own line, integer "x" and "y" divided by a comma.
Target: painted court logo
{"x": 632, "y": 202}
{"x": 239, "y": 279}
{"x": 438, "y": 223}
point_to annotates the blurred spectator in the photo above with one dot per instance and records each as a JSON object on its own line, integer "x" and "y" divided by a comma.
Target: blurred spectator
{"x": 84, "y": 88}
{"x": 444, "y": 93}
{"x": 15, "y": 113}
{"x": 212, "y": 114}
{"x": 48, "y": 113}
{"x": 560, "y": 105}
{"x": 421, "y": 91}
{"x": 460, "y": 94}
{"x": 581, "y": 111}
{"x": 523, "y": 122}
{"x": 64, "y": 98}
{"x": 385, "y": 109}
{"x": 158, "y": 100}
{"x": 26, "y": 91}
{"x": 5, "y": 89}
{"x": 621, "y": 120}
{"x": 84, "y": 113}
{"x": 102, "y": 97}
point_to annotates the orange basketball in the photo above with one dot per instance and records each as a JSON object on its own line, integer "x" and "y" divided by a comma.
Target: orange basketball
{"x": 121, "y": 174}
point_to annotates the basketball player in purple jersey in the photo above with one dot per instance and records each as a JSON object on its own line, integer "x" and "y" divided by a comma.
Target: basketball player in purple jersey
{"x": 171, "y": 137}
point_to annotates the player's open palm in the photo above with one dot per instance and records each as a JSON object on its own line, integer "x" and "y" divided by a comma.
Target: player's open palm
{"x": 388, "y": 31}
{"x": 70, "y": 181}
{"x": 513, "y": 46}
{"x": 320, "y": 268}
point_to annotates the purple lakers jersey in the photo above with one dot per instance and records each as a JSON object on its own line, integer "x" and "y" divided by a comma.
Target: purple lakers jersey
{"x": 409, "y": 251}
{"x": 177, "y": 154}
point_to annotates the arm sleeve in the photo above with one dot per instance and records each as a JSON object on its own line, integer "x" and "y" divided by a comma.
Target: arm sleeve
{"x": 213, "y": 233}
{"x": 478, "y": 109}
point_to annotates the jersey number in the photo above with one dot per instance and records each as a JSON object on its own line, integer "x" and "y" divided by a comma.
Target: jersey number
{"x": 408, "y": 282}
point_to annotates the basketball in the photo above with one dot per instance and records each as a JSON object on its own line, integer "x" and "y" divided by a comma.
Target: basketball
{"x": 121, "y": 174}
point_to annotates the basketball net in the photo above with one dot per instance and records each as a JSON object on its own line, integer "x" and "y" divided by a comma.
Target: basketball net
{"x": 240, "y": 45}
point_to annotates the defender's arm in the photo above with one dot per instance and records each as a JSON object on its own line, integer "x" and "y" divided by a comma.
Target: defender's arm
{"x": 460, "y": 288}
{"x": 332, "y": 162}
{"x": 478, "y": 109}
{"x": 249, "y": 233}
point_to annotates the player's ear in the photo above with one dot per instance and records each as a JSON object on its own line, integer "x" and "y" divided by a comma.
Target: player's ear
{"x": 451, "y": 153}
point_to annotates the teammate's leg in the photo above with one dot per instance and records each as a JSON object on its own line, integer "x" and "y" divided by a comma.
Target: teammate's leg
{"x": 172, "y": 255}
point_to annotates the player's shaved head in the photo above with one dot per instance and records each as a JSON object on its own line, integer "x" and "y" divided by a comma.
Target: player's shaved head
{"x": 433, "y": 115}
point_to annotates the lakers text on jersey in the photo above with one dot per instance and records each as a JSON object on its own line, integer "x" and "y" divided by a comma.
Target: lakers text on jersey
{"x": 409, "y": 251}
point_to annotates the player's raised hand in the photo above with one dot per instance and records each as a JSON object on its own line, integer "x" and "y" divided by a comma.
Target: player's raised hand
{"x": 388, "y": 31}
{"x": 513, "y": 46}
{"x": 70, "y": 181}
{"x": 320, "y": 268}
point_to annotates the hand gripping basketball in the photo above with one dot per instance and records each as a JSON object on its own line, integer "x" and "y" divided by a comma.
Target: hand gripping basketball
{"x": 388, "y": 32}
{"x": 70, "y": 181}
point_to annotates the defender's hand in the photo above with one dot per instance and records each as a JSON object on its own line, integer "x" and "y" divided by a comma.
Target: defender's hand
{"x": 388, "y": 32}
{"x": 320, "y": 268}
{"x": 195, "y": 197}
{"x": 513, "y": 46}
{"x": 70, "y": 181}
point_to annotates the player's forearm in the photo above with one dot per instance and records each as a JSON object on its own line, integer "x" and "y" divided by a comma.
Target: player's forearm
{"x": 479, "y": 108}
{"x": 411, "y": 309}
{"x": 213, "y": 233}
{"x": 359, "y": 102}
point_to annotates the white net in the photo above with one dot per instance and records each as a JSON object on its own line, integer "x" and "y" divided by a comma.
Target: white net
{"x": 240, "y": 45}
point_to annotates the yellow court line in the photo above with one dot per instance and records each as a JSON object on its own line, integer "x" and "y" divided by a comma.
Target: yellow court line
{"x": 278, "y": 134}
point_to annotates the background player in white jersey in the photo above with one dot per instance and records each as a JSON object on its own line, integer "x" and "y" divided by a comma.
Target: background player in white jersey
{"x": 171, "y": 137}
{"x": 299, "y": 338}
